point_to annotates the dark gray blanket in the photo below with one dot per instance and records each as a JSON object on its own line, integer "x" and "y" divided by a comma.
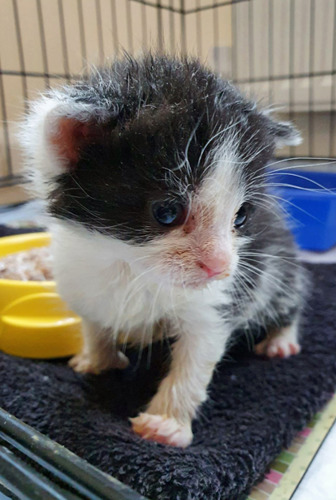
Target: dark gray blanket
{"x": 256, "y": 406}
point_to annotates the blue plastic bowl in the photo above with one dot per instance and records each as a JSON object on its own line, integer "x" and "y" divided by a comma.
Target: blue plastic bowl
{"x": 310, "y": 209}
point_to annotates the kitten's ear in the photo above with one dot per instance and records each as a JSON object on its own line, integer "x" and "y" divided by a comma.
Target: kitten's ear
{"x": 69, "y": 136}
{"x": 69, "y": 127}
{"x": 284, "y": 133}
{"x": 53, "y": 136}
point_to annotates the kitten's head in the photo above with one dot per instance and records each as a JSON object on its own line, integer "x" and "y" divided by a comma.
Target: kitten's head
{"x": 160, "y": 154}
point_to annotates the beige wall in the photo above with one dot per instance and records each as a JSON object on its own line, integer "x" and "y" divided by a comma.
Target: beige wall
{"x": 210, "y": 34}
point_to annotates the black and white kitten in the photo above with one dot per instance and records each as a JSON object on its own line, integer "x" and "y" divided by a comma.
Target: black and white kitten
{"x": 154, "y": 175}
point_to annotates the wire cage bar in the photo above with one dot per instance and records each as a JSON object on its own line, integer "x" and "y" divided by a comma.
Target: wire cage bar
{"x": 283, "y": 54}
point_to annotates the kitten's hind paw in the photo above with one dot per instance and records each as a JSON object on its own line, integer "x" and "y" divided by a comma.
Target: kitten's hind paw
{"x": 81, "y": 363}
{"x": 162, "y": 429}
{"x": 277, "y": 347}
{"x": 85, "y": 363}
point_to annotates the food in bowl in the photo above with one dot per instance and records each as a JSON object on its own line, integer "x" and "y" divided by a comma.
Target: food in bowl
{"x": 34, "y": 264}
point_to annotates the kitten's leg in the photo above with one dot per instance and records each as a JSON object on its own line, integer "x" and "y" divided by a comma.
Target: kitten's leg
{"x": 99, "y": 352}
{"x": 194, "y": 356}
{"x": 282, "y": 343}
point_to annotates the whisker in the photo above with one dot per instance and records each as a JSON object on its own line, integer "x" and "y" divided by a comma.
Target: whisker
{"x": 269, "y": 277}
{"x": 284, "y": 200}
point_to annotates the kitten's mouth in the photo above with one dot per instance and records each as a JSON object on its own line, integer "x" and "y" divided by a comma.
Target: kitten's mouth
{"x": 204, "y": 282}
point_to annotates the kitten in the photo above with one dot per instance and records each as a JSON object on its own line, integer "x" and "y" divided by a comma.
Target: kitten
{"x": 154, "y": 175}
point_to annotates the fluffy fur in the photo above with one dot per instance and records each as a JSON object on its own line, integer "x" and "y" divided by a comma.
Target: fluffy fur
{"x": 101, "y": 152}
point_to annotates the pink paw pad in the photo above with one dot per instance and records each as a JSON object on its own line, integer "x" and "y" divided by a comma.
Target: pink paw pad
{"x": 281, "y": 348}
{"x": 277, "y": 347}
{"x": 162, "y": 429}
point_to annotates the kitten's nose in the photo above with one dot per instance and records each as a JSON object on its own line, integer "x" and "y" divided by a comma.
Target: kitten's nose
{"x": 214, "y": 266}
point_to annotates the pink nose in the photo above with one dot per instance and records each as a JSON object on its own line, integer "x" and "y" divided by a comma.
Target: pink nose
{"x": 214, "y": 266}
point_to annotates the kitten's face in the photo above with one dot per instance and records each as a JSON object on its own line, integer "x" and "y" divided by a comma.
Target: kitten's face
{"x": 164, "y": 157}
{"x": 203, "y": 229}
{"x": 181, "y": 204}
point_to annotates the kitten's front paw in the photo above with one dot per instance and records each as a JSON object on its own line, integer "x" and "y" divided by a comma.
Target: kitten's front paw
{"x": 277, "y": 347}
{"x": 84, "y": 363}
{"x": 162, "y": 429}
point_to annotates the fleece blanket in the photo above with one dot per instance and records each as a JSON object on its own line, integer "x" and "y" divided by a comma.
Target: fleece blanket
{"x": 255, "y": 407}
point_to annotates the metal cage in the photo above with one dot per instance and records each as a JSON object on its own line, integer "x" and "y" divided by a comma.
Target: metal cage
{"x": 283, "y": 53}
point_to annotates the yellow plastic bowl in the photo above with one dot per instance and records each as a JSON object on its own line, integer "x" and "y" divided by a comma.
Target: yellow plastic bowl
{"x": 34, "y": 321}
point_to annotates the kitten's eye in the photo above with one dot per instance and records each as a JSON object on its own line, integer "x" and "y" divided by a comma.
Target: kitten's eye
{"x": 241, "y": 216}
{"x": 168, "y": 213}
